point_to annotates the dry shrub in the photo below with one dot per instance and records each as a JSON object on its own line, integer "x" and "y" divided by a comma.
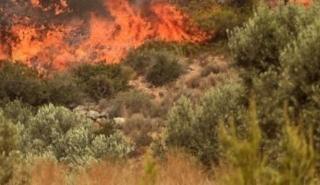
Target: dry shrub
{"x": 139, "y": 129}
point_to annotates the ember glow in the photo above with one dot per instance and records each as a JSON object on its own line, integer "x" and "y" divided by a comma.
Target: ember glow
{"x": 52, "y": 34}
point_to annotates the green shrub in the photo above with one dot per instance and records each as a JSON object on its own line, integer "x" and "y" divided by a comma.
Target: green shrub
{"x": 166, "y": 69}
{"x": 9, "y": 144}
{"x": 70, "y": 137}
{"x": 301, "y": 63}
{"x": 19, "y": 82}
{"x": 257, "y": 48}
{"x": 248, "y": 164}
{"x": 218, "y": 16}
{"x": 258, "y": 44}
{"x": 101, "y": 80}
{"x": 194, "y": 127}
{"x": 226, "y": 18}
{"x": 301, "y": 76}
{"x": 17, "y": 112}
{"x": 158, "y": 66}
{"x": 62, "y": 89}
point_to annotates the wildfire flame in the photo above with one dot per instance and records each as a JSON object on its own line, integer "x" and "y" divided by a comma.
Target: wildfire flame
{"x": 56, "y": 45}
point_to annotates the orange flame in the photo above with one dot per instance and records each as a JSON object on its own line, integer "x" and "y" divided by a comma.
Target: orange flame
{"x": 101, "y": 38}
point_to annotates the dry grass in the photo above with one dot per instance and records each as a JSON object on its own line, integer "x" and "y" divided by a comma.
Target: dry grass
{"x": 178, "y": 169}
{"x": 48, "y": 173}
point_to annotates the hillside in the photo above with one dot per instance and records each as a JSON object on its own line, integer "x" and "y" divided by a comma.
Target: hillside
{"x": 179, "y": 92}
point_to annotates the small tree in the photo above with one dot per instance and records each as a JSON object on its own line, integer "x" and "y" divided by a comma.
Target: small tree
{"x": 165, "y": 69}
{"x": 195, "y": 127}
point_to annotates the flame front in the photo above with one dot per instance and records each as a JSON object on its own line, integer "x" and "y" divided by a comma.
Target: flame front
{"x": 100, "y": 38}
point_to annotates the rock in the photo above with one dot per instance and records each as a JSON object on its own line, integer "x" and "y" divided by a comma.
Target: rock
{"x": 102, "y": 121}
{"x": 119, "y": 120}
{"x": 79, "y": 108}
{"x": 93, "y": 114}
{"x": 104, "y": 114}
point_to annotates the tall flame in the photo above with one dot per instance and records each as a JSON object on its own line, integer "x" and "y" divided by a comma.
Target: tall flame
{"x": 101, "y": 38}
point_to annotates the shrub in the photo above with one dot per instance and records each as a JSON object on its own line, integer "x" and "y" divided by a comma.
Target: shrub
{"x": 248, "y": 164}
{"x": 19, "y": 82}
{"x": 158, "y": 66}
{"x": 301, "y": 75}
{"x": 257, "y": 48}
{"x": 131, "y": 102}
{"x": 101, "y": 80}
{"x": 70, "y": 137}
{"x": 140, "y": 60}
{"x": 226, "y": 18}
{"x": 139, "y": 129}
{"x": 166, "y": 69}
{"x": 194, "y": 127}
{"x": 301, "y": 63}
{"x": 9, "y": 144}
{"x": 17, "y": 112}
{"x": 257, "y": 45}
{"x": 62, "y": 89}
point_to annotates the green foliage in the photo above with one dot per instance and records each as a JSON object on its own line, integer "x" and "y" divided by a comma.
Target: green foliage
{"x": 166, "y": 69}
{"x": 70, "y": 137}
{"x": 257, "y": 45}
{"x": 18, "y": 81}
{"x": 158, "y": 66}
{"x": 277, "y": 45}
{"x": 101, "y": 80}
{"x": 249, "y": 164}
{"x": 9, "y": 144}
{"x": 17, "y": 112}
{"x": 62, "y": 89}
{"x": 301, "y": 64}
{"x": 218, "y": 16}
{"x": 300, "y": 81}
{"x": 194, "y": 127}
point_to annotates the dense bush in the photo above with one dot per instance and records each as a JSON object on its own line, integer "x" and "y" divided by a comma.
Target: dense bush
{"x": 165, "y": 69}
{"x": 301, "y": 76}
{"x": 69, "y": 137}
{"x": 159, "y": 67}
{"x": 301, "y": 64}
{"x": 247, "y": 164}
{"x": 258, "y": 44}
{"x": 218, "y": 16}
{"x": 101, "y": 80}
{"x": 18, "y": 81}
{"x": 194, "y": 127}
{"x": 9, "y": 144}
{"x": 62, "y": 89}
{"x": 258, "y": 48}
{"x": 17, "y": 112}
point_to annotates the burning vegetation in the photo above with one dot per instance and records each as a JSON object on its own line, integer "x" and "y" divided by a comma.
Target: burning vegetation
{"x": 52, "y": 34}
